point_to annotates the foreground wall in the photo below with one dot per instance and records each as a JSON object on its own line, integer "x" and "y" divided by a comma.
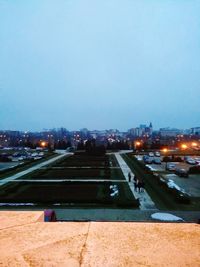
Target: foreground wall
{"x": 25, "y": 240}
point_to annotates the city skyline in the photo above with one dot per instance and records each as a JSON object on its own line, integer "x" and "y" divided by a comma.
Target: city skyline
{"x": 99, "y": 64}
{"x": 140, "y": 126}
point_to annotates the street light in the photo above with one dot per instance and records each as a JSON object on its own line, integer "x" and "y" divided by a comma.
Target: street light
{"x": 184, "y": 146}
{"x": 43, "y": 144}
{"x": 194, "y": 144}
{"x": 165, "y": 150}
{"x": 137, "y": 145}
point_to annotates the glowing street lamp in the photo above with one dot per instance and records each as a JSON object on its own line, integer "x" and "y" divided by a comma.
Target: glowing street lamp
{"x": 138, "y": 143}
{"x": 165, "y": 150}
{"x": 43, "y": 144}
{"x": 194, "y": 144}
{"x": 184, "y": 146}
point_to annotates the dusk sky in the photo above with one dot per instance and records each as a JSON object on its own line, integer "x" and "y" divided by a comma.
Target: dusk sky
{"x": 99, "y": 64}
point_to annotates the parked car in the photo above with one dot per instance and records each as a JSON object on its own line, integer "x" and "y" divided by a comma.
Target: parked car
{"x": 157, "y": 161}
{"x": 151, "y": 154}
{"x": 148, "y": 160}
{"x": 145, "y": 157}
{"x": 171, "y": 167}
{"x": 157, "y": 154}
{"x": 191, "y": 161}
{"x": 182, "y": 173}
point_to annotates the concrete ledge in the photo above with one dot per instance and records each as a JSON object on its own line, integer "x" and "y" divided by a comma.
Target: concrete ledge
{"x": 14, "y": 218}
{"x": 24, "y": 241}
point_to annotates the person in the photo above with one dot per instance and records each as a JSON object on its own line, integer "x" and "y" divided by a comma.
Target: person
{"x": 135, "y": 185}
{"x": 129, "y": 177}
{"x": 139, "y": 186}
{"x": 142, "y": 186}
{"x": 135, "y": 181}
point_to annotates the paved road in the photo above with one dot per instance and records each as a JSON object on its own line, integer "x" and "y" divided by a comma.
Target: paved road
{"x": 146, "y": 202}
{"x": 34, "y": 168}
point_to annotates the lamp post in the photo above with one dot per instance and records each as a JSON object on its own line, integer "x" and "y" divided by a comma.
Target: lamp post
{"x": 43, "y": 144}
{"x": 137, "y": 145}
{"x": 165, "y": 150}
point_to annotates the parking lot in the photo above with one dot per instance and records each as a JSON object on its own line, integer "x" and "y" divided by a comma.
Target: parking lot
{"x": 163, "y": 165}
{"x": 190, "y": 185}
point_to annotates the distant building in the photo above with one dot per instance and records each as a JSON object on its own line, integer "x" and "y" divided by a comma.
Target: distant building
{"x": 195, "y": 130}
{"x": 143, "y": 130}
{"x": 150, "y": 128}
{"x": 170, "y": 131}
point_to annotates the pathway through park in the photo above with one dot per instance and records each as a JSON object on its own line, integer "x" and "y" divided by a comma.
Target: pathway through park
{"x": 146, "y": 202}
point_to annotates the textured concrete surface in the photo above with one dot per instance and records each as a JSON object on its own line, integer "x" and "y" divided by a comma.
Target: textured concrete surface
{"x": 26, "y": 241}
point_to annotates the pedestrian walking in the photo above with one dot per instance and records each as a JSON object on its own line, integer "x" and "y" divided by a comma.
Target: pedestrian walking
{"x": 142, "y": 186}
{"x": 129, "y": 177}
{"x": 135, "y": 185}
{"x": 139, "y": 186}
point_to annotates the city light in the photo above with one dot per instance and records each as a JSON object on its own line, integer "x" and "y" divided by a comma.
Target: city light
{"x": 194, "y": 144}
{"x": 138, "y": 143}
{"x": 43, "y": 143}
{"x": 165, "y": 150}
{"x": 184, "y": 146}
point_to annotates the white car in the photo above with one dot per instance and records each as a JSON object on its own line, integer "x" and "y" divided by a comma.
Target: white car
{"x": 191, "y": 161}
{"x": 157, "y": 154}
{"x": 151, "y": 154}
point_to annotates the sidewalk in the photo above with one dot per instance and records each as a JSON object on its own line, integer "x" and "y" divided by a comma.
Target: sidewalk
{"x": 34, "y": 168}
{"x": 146, "y": 202}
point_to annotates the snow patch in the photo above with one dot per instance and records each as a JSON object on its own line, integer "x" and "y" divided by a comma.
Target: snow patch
{"x": 165, "y": 217}
{"x": 150, "y": 167}
{"x": 172, "y": 184}
{"x": 162, "y": 180}
{"x": 115, "y": 191}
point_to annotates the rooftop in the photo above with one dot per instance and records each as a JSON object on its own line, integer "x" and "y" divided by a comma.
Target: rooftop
{"x": 25, "y": 240}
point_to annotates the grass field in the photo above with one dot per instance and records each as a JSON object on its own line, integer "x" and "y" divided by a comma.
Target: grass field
{"x": 89, "y": 190}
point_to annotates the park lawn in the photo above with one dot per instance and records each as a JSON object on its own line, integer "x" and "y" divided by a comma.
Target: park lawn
{"x": 89, "y": 193}
{"x": 53, "y": 174}
{"x": 83, "y": 160}
{"x": 75, "y": 193}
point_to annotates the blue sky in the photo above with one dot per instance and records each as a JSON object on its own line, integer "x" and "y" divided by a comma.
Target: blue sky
{"x": 99, "y": 64}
